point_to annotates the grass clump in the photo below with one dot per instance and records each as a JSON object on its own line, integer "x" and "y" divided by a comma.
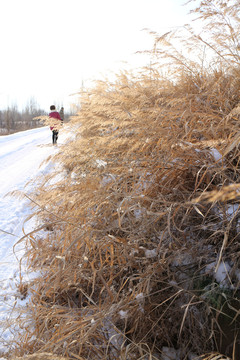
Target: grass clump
{"x": 140, "y": 250}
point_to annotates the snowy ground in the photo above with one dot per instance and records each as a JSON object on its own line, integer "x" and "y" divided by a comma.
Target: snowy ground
{"x": 21, "y": 155}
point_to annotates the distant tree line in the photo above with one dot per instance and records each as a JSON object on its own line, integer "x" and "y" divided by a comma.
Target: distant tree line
{"x": 13, "y": 120}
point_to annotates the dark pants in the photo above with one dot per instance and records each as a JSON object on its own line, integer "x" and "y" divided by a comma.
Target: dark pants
{"x": 54, "y": 136}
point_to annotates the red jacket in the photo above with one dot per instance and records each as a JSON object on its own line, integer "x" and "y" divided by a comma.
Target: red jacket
{"x": 54, "y": 114}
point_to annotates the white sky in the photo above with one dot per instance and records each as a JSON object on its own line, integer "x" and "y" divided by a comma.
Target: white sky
{"x": 48, "y": 47}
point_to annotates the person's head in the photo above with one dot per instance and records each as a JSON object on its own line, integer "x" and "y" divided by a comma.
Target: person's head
{"x": 52, "y": 107}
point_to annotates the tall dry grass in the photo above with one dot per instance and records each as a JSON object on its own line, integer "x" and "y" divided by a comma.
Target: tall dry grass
{"x": 140, "y": 246}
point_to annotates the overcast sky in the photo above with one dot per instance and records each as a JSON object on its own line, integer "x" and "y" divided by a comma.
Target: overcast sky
{"x": 48, "y": 47}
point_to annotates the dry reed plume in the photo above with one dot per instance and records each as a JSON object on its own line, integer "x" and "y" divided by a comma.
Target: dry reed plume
{"x": 141, "y": 244}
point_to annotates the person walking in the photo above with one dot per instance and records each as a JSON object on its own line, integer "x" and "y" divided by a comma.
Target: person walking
{"x": 54, "y": 114}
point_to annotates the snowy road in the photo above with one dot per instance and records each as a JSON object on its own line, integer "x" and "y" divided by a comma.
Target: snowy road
{"x": 21, "y": 155}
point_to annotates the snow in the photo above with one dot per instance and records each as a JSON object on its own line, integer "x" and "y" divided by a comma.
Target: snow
{"x": 232, "y": 210}
{"x": 216, "y": 154}
{"x": 151, "y": 253}
{"x": 170, "y": 354}
{"x": 140, "y": 300}
{"x": 123, "y": 314}
{"x": 229, "y": 211}
{"x": 101, "y": 163}
{"x": 140, "y": 297}
{"x": 21, "y": 155}
{"x": 107, "y": 179}
{"x": 220, "y": 273}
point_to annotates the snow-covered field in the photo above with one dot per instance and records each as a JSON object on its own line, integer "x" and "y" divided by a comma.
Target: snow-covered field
{"x": 21, "y": 155}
